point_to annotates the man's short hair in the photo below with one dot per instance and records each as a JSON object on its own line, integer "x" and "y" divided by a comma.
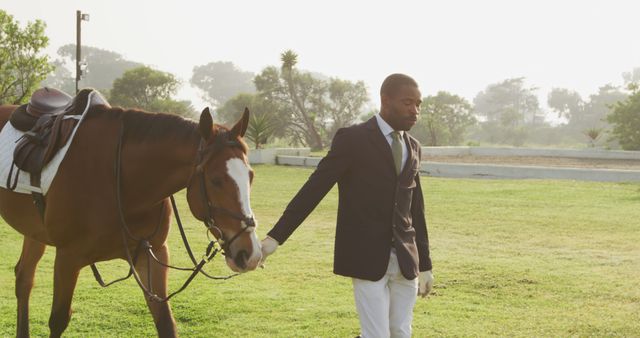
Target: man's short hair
{"x": 393, "y": 82}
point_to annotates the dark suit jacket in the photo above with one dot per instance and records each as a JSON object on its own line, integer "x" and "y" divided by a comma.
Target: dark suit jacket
{"x": 375, "y": 204}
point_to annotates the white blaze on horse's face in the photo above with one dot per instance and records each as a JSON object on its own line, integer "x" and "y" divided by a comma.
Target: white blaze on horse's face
{"x": 239, "y": 170}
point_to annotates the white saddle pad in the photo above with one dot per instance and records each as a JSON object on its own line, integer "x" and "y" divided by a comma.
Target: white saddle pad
{"x": 8, "y": 138}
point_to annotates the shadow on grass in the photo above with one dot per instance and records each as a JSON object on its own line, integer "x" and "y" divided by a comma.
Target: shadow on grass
{"x": 635, "y": 198}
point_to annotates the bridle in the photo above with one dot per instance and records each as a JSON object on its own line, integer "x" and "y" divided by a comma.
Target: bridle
{"x": 205, "y": 152}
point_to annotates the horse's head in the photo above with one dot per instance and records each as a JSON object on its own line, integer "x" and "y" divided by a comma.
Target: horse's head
{"x": 218, "y": 193}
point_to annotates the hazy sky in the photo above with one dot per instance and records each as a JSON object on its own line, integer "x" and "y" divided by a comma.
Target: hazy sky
{"x": 456, "y": 45}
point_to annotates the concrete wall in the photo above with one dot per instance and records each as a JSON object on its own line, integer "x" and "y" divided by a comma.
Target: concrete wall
{"x": 538, "y": 152}
{"x": 269, "y": 155}
{"x": 298, "y": 161}
{"x": 498, "y": 171}
{"x": 526, "y": 172}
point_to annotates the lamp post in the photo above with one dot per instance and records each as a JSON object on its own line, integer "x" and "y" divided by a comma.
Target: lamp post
{"x": 79, "y": 65}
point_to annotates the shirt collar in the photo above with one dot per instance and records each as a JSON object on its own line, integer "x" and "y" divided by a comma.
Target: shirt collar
{"x": 385, "y": 128}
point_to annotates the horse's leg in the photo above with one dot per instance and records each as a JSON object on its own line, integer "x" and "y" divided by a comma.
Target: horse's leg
{"x": 65, "y": 276}
{"x": 161, "y": 312}
{"x": 25, "y": 270}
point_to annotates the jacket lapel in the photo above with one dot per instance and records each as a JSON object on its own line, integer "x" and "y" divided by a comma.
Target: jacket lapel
{"x": 380, "y": 142}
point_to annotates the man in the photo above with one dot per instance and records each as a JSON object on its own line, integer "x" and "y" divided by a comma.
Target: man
{"x": 381, "y": 234}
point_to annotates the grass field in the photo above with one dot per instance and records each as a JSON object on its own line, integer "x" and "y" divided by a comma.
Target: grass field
{"x": 511, "y": 258}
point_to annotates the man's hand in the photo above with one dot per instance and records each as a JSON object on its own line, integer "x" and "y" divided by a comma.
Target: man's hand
{"x": 425, "y": 283}
{"x": 269, "y": 246}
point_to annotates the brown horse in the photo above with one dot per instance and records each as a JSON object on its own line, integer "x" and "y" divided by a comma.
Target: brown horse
{"x": 160, "y": 155}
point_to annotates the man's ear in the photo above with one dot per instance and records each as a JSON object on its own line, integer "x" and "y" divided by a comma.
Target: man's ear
{"x": 206, "y": 124}
{"x": 384, "y": 100}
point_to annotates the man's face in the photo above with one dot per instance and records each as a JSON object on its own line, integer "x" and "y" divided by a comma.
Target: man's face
{"x": 401, "y": 110}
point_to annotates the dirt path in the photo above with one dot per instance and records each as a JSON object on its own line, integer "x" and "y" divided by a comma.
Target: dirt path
{"x": 539, "y": 161}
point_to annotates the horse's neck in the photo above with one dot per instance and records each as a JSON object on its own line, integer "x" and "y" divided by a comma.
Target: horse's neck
{"x": 155, "y": 170}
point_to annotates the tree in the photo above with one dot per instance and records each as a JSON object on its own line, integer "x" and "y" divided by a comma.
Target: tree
{"x": 368, "y": 114}
{"x": 509, "y": 97}
{"x": 593, "y": 134}
{"x": 599, "y": 105}
{"x": 298, "y": 95}
{"x": 625, "y": 118}
{"x": 61, "y": 78}
{"x": 220, "y": 81}
{"x": 632, "y": 76}
{"x": 302, "y": 91}
{"x": 103, "y": 67}
{"x": 263, "y": 112}
{"x": 314, "y": 108}
{"x": 178, "y": 107}
{"x": 148, "y": 89}
{"x": 510, "y": 110}
{"x": 260, "y": 129}
{"x": 232, "y": 109}
{"x": 22, "y": 68}
{"x": 345, "y": 103}
{"x": 585, "y": 117}
{"x": 566, "y": 103}
{"x": 443, "y": 120}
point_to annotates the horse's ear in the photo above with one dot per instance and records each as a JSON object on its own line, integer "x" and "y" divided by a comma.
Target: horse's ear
{"x": 241, "y": 126}
{"x": 206, "y": 124}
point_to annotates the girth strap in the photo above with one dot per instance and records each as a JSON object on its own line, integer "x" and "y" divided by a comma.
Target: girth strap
{"x": 38, "y": 197}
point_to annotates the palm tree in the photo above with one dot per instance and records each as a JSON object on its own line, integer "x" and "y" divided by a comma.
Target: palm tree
{"x": 593, "y": 134}
{"x": 260, "y": 129}
{"x": 289, "y": 59}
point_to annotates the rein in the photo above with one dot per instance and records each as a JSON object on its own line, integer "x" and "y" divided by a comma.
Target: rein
{"x": 204, "y": 154}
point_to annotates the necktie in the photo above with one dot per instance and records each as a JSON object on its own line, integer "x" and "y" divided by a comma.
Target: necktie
{"x": 396, "y": 150}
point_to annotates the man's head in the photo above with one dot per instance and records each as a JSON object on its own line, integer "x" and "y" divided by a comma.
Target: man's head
{"x": 400, "y": 101}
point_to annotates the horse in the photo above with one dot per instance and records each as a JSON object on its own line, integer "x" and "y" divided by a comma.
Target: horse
{"x": 158, "y": 155}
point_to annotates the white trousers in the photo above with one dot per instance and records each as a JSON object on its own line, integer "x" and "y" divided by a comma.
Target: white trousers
{"x": 385, "y": 307}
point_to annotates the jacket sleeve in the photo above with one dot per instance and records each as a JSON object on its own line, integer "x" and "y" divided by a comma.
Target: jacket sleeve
{"x": 328, "y": 172}
{"x": 420, "y": 225}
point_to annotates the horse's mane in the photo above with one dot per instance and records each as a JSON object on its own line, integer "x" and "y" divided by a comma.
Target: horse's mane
{"x": 142, "y": 126}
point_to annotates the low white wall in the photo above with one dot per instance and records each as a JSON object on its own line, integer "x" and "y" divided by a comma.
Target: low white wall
{"x": 526, "y": 172}
{"x": 498, "y": 171}
{"x": 529, "y": 152}
{"x": 298, "y": 161}
{"x": 269, "y": 155}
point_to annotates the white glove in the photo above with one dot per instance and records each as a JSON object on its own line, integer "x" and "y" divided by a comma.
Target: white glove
{"x": 425, "y": 283}
{"x": 269, "y": 246}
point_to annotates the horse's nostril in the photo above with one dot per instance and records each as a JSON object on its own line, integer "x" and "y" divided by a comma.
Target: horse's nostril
{"x": 241, "y": 259}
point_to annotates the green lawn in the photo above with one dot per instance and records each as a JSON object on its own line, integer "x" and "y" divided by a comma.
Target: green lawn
{"x": 511, "y": 259}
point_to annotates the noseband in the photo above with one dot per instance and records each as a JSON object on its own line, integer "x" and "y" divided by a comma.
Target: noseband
{"x": 205, "y": 152}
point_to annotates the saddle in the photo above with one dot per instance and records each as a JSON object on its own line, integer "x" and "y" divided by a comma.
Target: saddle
{"x": 43, "y": 101}
{"x": 48, "y": 121}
